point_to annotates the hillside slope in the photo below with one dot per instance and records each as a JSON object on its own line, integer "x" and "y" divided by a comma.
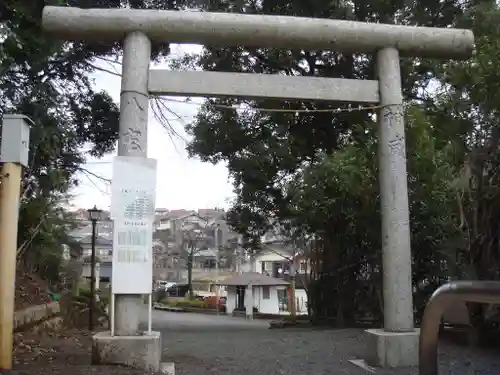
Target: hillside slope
{"x": 30, "y": 290}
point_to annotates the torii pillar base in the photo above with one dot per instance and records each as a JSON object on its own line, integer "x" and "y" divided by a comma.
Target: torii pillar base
{"x": 142, "y": 352}
{"x": 392, "y": 349}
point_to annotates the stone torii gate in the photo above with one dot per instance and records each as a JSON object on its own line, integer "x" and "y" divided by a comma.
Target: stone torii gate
{"x": 397, "y": 343}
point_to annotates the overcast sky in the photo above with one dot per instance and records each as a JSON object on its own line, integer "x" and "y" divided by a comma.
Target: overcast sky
{"x": 182, "y": 182}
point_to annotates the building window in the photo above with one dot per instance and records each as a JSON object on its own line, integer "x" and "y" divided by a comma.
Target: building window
{"x": 303, "y": 267}
{"x": 266, "y": 293}
{"x": 267, "y": 268}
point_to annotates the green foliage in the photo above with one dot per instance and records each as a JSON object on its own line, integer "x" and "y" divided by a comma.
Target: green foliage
{"x": 49, "y": 81}
{"x": 263, "y": 150}
{"x": 316, "y": 174}
{"x": 183, "y": 303}
{"x": 75, "y": 307}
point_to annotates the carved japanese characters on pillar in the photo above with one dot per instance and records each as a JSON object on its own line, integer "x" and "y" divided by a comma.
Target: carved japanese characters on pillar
{"x": 132, "y": 140}
{"x": 393, "y": 116}
{"x": 397, "y": 146}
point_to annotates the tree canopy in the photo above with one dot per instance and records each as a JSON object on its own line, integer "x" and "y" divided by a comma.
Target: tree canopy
{"x": 317, "y": 171}
{"x": 50, "y": 81}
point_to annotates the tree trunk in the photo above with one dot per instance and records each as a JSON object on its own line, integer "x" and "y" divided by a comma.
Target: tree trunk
{"x": 190, "y": 276}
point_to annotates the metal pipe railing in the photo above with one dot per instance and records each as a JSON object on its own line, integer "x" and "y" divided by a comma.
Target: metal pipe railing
{"x": 466, "y": 291}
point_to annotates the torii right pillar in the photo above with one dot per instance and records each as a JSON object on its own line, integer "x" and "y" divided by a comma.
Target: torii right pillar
{"x": 396, "y": 345}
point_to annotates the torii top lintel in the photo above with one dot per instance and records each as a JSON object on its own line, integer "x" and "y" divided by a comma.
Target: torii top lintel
{"x": 257, "y": 31}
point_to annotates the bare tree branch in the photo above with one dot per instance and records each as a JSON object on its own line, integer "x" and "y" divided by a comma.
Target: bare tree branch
{"x": 86, "y": 171}
{"x": 101, "y": 69}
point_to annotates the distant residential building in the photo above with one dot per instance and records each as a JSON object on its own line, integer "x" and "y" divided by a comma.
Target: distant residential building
{"x": 83, "y": 215}
{"x": 104, "y": 254}
{"x": 254, "y": 291}
{"x": 211, "y": 213}
{"x": 219, "y": 241}
{"x": 274, "y": 260}
{"x": 84, "y": 229}
{"x": 161, "y": 211}
{"x": 167, "y": 220}
{"x": 169, "y": 262}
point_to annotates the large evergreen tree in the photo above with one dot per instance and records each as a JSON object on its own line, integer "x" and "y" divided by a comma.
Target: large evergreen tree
{"x": 49, "y": 81}
{"x": 274, "y": 155}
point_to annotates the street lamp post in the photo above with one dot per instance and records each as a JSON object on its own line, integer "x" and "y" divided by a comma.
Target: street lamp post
{"x": 217, "y": 247}
{"x": 293, "y": 306}
{"x": 94, "y": 217}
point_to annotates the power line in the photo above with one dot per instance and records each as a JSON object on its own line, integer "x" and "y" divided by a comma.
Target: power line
{"x": 285, "y": 110}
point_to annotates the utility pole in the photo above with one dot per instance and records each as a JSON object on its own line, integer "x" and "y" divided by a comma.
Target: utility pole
{"x": 293, "y": 309}
{"x": 14, "y": 155}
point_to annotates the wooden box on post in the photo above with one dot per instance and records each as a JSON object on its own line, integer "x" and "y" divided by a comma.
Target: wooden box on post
{"x": 14, "y": 155}
{"x": 15, "y": 139}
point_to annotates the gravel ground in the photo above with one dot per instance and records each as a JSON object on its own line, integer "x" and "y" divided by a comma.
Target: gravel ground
{"x": 209, "y": 345}
{"x": 264, "y": 352}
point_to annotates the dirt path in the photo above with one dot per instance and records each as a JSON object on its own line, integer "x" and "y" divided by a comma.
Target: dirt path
{"x": 62, "y": 353}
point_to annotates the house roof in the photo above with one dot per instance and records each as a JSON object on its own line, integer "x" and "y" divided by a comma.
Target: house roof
{"x": 178, "y": 214}
{"x": 211, "y": 213}
{"x": 285, "y": 252}
{"x": 254, "y": 278}
{"x": 100, "y": 241}
{"x": 211, "y": 278}
{"x": 205, "y": 253}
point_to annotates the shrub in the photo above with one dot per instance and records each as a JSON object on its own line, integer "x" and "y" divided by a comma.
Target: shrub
{"x": 75, "y": 308}
{"x": 211, "y": 302}
{"x": 159, "y": 294}
{"x": 242, "y": 309}
{"x": 184, "y": 303}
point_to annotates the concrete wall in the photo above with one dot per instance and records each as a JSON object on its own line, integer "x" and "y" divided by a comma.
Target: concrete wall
{"x": 264, "y": 305}
{"x": 301, "y": 300}
{"x": 103, "y": 252}
{"x": 35, "y": 314}
{"x": 270, "y": 257}
{"x": 269, "y": 305}
{"x": 231, "y": 299}
{"x": 255, "y": 264}
{"x": 105, "y": 270}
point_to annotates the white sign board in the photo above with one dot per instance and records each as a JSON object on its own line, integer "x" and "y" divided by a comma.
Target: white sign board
{"x": 132, "y": 271}
{"x": 133, "y": 188}
{"x": 132, "y": 210}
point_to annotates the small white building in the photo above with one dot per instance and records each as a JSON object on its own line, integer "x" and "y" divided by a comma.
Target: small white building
{"x": 252, "y": 290}
{"x": 276, "y": 262}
